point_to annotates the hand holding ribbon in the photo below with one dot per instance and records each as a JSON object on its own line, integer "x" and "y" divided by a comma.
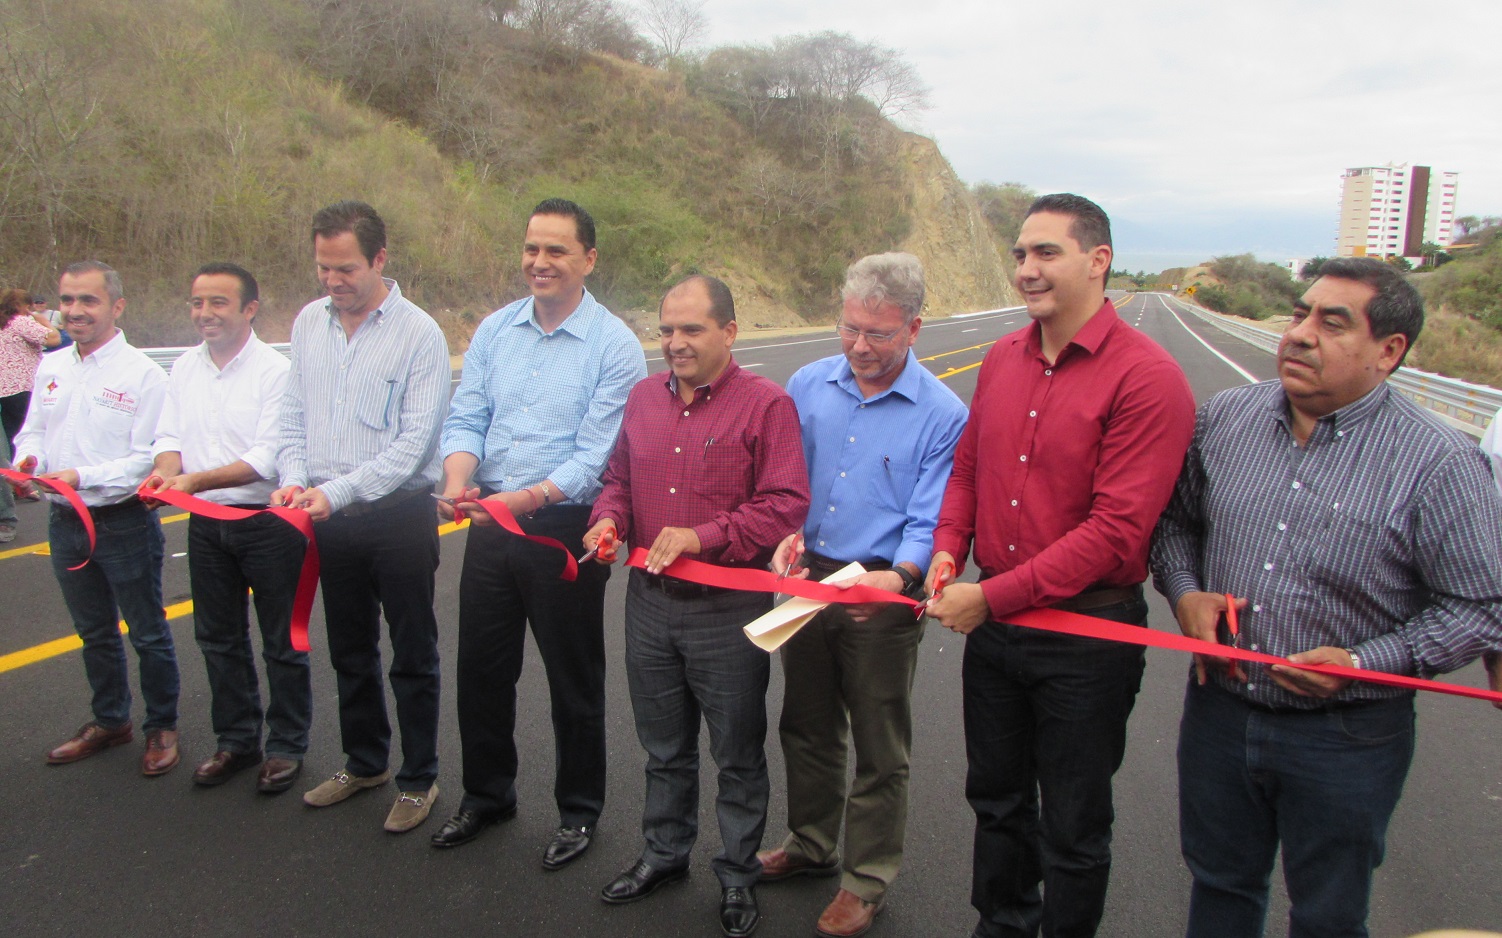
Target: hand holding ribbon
{"x": 307, "y": 582}
{"x": 22, "y": 480}
{"x": 498, "y": 512}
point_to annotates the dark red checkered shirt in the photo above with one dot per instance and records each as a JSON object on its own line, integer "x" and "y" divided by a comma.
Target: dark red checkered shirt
{"x": 729, "y": 465}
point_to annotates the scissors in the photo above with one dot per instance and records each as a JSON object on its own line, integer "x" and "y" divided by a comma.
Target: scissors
{"x": 604, "y": 548}
{"x": 793, "y": 562}
{"x": 941, "y": 579}
{"x": 1234, "y": 628}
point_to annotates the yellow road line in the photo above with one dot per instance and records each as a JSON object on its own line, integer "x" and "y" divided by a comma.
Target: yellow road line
{"x": 957, "y": 351}
{"x": 43, "y": 550}
{"x": 61, "y": 646}
{"x": 954, "y": 371}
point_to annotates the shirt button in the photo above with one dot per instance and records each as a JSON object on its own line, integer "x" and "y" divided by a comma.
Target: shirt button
{"x": 821, "y": 543}
{"x": 831, "y": 508}
{"x": 672, "y": 491}
{"x": 1023, "y": 458}
{"x": 1295, "y": 483}
{"x": 1257, "y": 607}
{"x": 1014, "y": 503}
{"x": 1251, "y": 687}
{"x": 863, "y": 407}
{"x": 1048, "y": 371}
{"x": 685, "y": 413}
{"x": 677, "y": 449}
{"x": 1282, "y": 526}
{"x": 1011, "y": 547}
{"x": 1267, "y": 566}
{"x": 842, "y": 475}
{"x": 852, "y": 439}
{"x": 1032, "y": 413}
{"x": 1254, "y": 648}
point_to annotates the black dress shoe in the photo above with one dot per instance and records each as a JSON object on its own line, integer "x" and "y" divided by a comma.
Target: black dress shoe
{"x": 224, "y": 763}
{"x": 738, "y": 912}
{"x": 639, "y": 882}
{"x": 277, "y": 774}
{"x": 567, "y": 845}
{"x": 466, "y": 825}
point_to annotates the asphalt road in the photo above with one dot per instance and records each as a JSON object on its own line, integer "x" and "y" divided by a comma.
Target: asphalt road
{"x": 94, "y": 849}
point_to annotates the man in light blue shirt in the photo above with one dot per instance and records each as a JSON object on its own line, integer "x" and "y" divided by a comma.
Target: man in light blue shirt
{"x": 879, "y": 432}
{"x": 531, "y": 426}
{"x": 359, "y": 452}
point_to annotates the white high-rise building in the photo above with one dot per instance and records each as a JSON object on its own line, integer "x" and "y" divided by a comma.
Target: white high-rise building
{"x": 1390, "y": 211}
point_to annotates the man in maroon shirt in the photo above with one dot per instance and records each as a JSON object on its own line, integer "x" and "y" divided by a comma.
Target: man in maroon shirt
{"x": 709, "y": 464}
{"x": 1085, "y": 424}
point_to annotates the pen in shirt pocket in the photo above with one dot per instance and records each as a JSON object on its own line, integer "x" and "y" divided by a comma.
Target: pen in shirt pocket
{"x": 707, "y": 444}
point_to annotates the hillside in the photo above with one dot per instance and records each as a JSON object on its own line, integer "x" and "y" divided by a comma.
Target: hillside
{"x": 159, "y": 136}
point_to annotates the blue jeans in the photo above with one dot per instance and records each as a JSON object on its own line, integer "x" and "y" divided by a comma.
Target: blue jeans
{"x": 684, "y": 658}
{"x": 123, "y": 578}
{"x": 225, "y": 559}
{"x": 1324, "y": 783}
{"x": 7, "y": 494}
{"x": 1045, "y": 715}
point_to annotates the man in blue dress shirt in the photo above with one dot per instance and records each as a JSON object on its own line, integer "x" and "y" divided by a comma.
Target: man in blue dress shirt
{"x": 879, "y": 432}
{"x": 532, "y": 424}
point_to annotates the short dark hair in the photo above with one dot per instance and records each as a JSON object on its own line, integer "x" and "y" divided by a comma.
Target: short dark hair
{"x": 250, "y": 291}
{"x": 1091, "y": 226}
{"x": 355, "y": 217}
{"x": 1396, "y": 309}
{"x": 584, "y": 223}
{"x": 721, "y": 303}
{"x": 113, "y": 285}
{"x": 36, "y": 298}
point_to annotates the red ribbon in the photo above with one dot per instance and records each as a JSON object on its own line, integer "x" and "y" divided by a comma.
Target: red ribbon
{"x": 497, "y": 509}
{"x": 1048, "y": 620}
{"x": 307, "y": 581}
{"x": 66, "y": 491}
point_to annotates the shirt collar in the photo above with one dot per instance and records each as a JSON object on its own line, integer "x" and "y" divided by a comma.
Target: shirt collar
{"x": 1350, "y": 415}
{"x": 103, "y": 353}
{"x": 577, "y": 324}
{"x": 1090, "y": 337}
{"x": 907, "y": 383}
{"x": 241, "y": 356}
{"x": 717, "y": 384}
{"x": 393, "y": 294}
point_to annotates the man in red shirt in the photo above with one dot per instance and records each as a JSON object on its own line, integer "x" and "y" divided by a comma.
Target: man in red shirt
{"x": 1085, "y": 424}
{"x": 709, "y": 465}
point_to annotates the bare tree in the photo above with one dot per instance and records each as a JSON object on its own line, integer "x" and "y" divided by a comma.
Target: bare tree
{"x": 674, "y": 25}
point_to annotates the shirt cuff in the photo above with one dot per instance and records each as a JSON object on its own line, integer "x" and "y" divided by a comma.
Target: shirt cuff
{"x": 1386, "y": 653}
{"x": 339, "y": 493}
{"x": 711, "y": 537}
{"x": 1178, "y": 584}
{"x": 916, "y": 554}
{"x": 1002, "y": 595}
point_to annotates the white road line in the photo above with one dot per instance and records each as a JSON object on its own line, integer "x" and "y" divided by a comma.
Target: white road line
{"x": 963, "y": 331}
{"x": 1213, "y": 350}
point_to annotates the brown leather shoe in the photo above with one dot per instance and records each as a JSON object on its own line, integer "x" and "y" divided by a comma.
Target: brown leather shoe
{"x": 90, "y": 739}
{"x": 277, "y": 774}
{"x": 779, "y": 864}
{"x": 161, "y": 754}
{"x": 847, "y": 916}
{"x": 222, "y": 764}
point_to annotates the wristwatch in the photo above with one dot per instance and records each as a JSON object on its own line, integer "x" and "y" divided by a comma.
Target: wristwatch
{"x": 1355, "y": 658}
{"x": 912, "y": 584}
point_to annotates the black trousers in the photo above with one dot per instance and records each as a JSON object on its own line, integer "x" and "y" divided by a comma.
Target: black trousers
{"x": 384, "y": 561}
{"x": 506, "y": 583}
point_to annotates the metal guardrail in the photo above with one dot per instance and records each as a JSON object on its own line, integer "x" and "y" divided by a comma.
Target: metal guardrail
{"x": 166, "y": 356}
{"x": 1471, "y": 405}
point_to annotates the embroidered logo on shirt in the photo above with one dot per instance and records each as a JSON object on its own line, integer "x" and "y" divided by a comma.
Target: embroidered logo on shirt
{"x": 119, "y": 401}
{"x": 51, "y": 385}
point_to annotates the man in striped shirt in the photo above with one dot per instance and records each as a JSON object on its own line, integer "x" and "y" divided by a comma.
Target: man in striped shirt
{"x": 1352, "y": 528}
{"x": 359, "y": 452}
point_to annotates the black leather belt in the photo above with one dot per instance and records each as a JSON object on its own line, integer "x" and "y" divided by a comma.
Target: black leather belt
{"x": 389, "y": 500}
{"x": 1100, "y": 598}
{"x": 821, "y": 566}
{"x": 683, "y": 589}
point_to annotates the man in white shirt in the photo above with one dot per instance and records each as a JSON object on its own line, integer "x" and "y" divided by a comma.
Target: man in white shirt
{"x": 217, "y": 440}
{"x": 90, "y": 425}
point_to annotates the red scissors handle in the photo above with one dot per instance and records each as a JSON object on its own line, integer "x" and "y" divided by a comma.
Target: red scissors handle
{"x": 943, "y": 574}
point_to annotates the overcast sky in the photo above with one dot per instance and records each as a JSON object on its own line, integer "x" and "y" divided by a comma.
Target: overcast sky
{"x": 1203, "y": 128}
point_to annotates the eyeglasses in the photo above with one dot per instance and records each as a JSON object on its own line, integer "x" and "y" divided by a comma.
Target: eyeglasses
{"x": 872, "y": 338}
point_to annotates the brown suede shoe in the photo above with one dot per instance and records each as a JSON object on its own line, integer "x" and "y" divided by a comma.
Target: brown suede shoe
{"x": 90, "y": 739}
{"x": 847, "y": 916}
{"x": 222, "y": 764}
{"x": 779, "y": 864}
{"x": 161, "y": 754}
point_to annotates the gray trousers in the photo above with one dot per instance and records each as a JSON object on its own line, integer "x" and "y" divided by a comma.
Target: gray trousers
{"x": 848, "y": 681}
{"x": 686, "y": 657}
